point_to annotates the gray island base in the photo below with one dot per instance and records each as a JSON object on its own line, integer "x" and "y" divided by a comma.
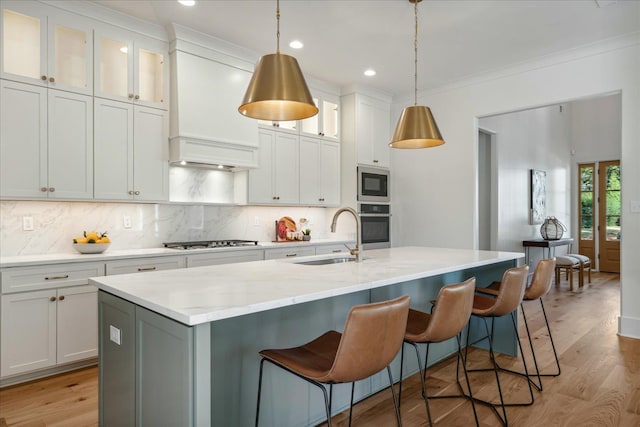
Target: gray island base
{"x": 180, "y": 347}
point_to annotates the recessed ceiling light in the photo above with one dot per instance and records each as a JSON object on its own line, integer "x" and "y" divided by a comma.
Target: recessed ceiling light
{"x": 370, "y": 72}
{"x": 296, "y": 44}
{"x": 187, "y": 2}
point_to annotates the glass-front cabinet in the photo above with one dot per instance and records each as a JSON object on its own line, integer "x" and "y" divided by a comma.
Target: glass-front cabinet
{"x": 325, "y": 123}
{"x": 52, "y": 50}
{"x": 130, "y": 69}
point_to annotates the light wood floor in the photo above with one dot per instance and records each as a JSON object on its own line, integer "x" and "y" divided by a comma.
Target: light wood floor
{"x": 599, "y": 385}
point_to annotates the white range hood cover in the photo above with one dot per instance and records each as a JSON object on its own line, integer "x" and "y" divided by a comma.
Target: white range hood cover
{"x": 207, "y": 86}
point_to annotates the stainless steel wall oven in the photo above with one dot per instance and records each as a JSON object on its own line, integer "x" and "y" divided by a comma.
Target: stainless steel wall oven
{"x": 375, "y": 224}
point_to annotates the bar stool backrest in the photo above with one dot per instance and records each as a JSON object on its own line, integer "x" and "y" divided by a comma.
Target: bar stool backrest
{"x": 451, "y": 311}
{"x": 372, "y": 336}
{"x": 511, "y": 292}
{"x": 542, "y": 279}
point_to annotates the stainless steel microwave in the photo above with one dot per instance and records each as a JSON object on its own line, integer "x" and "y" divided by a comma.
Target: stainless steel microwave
{"x": 373, "y": 184}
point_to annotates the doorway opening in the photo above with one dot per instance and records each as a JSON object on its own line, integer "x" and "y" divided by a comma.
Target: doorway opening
{"x": 485, "y": 189}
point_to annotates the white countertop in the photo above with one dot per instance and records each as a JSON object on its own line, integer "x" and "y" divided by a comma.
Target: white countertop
{"x": 108, "y": 255}
{"x": 204, "y": 294}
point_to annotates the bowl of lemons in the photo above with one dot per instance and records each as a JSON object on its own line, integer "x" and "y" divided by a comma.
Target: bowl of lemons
{"x": 91, "y": 243}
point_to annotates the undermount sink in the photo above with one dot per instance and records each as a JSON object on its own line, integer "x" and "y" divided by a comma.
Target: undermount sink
{"x": 325, "y": 261}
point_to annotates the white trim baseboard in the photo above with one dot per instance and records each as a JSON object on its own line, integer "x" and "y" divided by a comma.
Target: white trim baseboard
{"x": 629, "y": 327}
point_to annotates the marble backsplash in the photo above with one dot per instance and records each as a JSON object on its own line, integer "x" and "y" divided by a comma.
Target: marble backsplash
{"x": 57, "y": 223}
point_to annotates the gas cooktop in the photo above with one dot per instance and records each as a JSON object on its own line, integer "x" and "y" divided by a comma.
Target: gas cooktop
{"x": 210, "y": 244}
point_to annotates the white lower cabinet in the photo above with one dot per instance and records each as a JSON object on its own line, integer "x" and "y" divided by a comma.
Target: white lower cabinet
{"x": 290, "y": 252}
{"x": 43, "y": 328}
{"x": 333, "y": 249}
{"x": 201, "y": 260}
{"x": 141, "y": 265}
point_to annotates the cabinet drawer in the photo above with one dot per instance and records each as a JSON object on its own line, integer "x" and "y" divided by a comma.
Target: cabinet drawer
{"x": 145, "y": 264}
{"x": 289, "y": 252}
{"x": 48, "y": 277}
{"x": 200, "y": 260}
{"x": 333, "y": 249}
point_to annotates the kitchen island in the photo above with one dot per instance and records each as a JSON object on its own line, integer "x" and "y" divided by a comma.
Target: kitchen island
{"x": 179, "y": 347}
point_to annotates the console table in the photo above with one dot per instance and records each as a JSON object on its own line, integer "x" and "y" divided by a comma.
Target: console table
{"x": 548, "y": 246}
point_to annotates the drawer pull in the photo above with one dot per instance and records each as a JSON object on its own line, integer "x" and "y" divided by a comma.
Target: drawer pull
{"x": 146, "y": 268}
{"x": 336, "y": 251}
{"x": 291, "y": 255}
{"x": 61, "y": 298}
{"x": 66, "y": 276}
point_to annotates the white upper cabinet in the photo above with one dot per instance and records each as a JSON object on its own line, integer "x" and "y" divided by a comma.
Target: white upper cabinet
{"x": 326, "y": 123}
{"x": 131, "y": 152}
{"x": 131, "y": 68}
{"x": 319, "y": 172}
{"x": 275, "y": 181}
{"x": 46, "y": 144}
{"x": 46, "y": 47}
{"x": 372, "y": 131}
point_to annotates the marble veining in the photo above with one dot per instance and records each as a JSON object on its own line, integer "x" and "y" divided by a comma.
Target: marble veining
{"x": 57, "y": 223}
{"x": 205, "y": 294}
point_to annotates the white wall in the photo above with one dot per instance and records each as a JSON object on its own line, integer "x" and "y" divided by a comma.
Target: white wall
{"x": 435, "y": 200}
{"x": 531, "y": 139}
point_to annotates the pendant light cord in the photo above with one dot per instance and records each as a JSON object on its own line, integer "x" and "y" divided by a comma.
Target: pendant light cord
{"x": 415, "y": 55}
{"x": 278, "y": 26}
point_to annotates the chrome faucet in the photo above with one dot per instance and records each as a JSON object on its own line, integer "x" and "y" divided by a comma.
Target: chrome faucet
{"x": 358, "y": 249}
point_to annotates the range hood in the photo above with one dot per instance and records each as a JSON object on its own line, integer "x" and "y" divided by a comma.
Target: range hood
{"x": 206, "y": 89}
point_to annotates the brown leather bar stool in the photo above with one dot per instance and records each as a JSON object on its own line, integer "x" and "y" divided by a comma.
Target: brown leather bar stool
{"x": 540, "y": 285}
{"x": 506, "y": 302}
{"x": 450, "y": 314}
{"x": 372, "y": 337}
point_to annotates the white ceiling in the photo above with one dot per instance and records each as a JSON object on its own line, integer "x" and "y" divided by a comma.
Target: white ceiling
{"x": 458, "y": 38}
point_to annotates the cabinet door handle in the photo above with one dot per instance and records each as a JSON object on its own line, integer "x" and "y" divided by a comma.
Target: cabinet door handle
{"x": 52, "y": 189}
{"x": 336, "y": 251}
{"x": 52, "y": 299}
{"x": 130, "y": 96}
{"x": 375, "y": 161}
{"x": 66, "y": 276}
{"x": 278, "y": 198}
{"x": 43, "y": 78}
{"x": 146, "y": 269}
{"x": 61, "y": 298}
{"x": 52, "y": 79}
{"x": 137, "y": 97}
{"x": 137, "y": 193}
{"x": 130, "y": 192}
{"x": 43, "y": 189}
{"x": 291, "y": 255}
{"x": 274, "y": 198}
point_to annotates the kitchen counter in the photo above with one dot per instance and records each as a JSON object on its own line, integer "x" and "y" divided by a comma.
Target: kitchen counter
{"x": 180, "y": 347}
{"x": 61, "y": 258}
{"x": 206, "y": 294}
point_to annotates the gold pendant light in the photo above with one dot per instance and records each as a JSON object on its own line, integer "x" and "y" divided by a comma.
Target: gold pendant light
{"x": 277, "y": 91}
{"x": 416, "y": 127}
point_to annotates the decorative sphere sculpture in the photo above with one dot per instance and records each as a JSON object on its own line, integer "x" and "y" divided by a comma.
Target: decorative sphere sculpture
{"x": 552, "y": 229}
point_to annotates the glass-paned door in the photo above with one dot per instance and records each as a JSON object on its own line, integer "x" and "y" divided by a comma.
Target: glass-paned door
{"x": 609, "y": 223}
{"x": 587, "y": 210}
